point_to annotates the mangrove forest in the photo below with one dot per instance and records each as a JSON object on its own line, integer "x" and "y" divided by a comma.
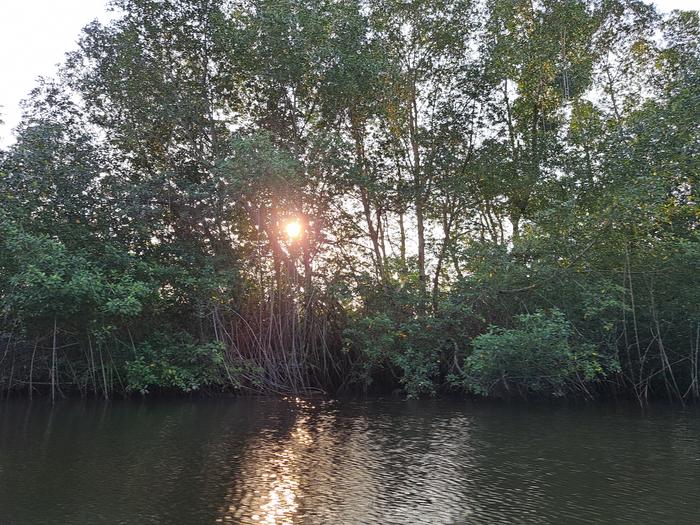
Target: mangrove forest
{"x": 488, "y": 198}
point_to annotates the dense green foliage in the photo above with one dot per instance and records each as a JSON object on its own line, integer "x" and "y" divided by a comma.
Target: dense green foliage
{"x": 496, "y": 197}
{"x": 537, "y": 354}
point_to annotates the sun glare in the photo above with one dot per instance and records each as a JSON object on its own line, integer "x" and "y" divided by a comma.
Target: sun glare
{"x": 293, "y": 230}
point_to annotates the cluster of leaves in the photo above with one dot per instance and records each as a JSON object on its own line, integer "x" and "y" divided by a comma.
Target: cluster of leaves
{"x": 537, "y": 354}
{"x": 45, "y": 282}
{"x": 175, "y": 362}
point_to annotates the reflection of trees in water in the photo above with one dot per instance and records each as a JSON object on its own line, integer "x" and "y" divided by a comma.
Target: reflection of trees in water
{"x": 93, "y": 463}
{"x": 388, "y": 463}
{"x": 419, "y": 465}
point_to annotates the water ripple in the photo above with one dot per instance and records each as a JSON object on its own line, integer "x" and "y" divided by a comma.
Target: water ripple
{"x": 296, "y": 461}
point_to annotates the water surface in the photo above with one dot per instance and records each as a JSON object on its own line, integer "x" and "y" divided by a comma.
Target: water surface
{"x": 253, "y": 461}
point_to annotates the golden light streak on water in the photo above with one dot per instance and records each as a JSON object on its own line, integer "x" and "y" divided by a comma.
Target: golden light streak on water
{"x": 271, "y": 491}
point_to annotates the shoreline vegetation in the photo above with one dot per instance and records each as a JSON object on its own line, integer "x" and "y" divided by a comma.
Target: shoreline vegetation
{"x": 427, "y": 198}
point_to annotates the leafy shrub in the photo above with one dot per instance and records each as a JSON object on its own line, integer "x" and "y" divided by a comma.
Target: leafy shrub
{"x": 411, "y": 348}
{"x": 539, "y": 355}
{"x": 175, "y": 363}
{"x": 373, "y": 338}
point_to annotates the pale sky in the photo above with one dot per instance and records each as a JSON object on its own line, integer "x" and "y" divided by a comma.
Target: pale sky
{"x": 35, "y": 35}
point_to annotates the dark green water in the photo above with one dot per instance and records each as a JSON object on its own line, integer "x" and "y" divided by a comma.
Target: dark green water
{"x": 288, "y": 461}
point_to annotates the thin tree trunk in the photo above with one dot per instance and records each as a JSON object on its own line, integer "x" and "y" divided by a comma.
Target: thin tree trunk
{"x": 31, "y": 370}
{"x": 446, "y": 229}
{"x": 53, "y": 364}
{"x": 402, "y": 246}
{"x": 419, "y": 190}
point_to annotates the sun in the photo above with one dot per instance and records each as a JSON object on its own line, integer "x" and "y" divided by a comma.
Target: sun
{"x": 293, "y": 230}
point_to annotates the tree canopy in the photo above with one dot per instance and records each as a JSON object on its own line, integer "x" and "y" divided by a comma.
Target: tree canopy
{"x": 493, "y": 196}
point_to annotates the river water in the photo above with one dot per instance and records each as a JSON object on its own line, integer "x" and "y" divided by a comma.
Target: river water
{"x": 266, "y": 461}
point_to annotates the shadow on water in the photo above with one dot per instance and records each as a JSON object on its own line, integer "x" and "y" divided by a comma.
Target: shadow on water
{"x": 294, "y": 461}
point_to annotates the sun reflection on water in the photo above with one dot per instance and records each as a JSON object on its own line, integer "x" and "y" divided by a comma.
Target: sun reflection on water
{"x": 310, "y": 461}
{"x": 268, "y": 490}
